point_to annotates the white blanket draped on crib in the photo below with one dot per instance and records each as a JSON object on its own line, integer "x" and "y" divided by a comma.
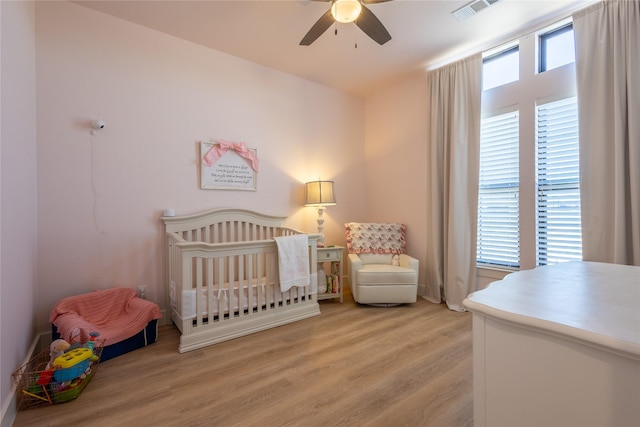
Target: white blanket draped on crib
{"x": 293, "y": 261}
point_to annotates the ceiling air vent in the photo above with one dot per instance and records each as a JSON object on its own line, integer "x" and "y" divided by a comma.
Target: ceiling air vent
{"x": 472, "y": 8}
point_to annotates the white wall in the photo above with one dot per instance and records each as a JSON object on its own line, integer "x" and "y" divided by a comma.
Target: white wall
{"x": 18, "y": 205}
{"x": 81, "y": 212}
{"x": 100, "y": 197}
{"x": 395, "y": 155}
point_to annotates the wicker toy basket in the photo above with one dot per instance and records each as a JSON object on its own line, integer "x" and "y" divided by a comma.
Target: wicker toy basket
{"x": 36, "y": 385}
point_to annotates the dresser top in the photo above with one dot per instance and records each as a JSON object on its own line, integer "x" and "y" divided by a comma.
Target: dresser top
{"x": 594, "y": 302}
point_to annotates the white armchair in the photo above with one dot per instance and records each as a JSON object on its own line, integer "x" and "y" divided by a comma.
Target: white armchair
{"x": 380, "y": 272}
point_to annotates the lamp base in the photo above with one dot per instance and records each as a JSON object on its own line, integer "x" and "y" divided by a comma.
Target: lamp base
{"x": 320, "y": 222}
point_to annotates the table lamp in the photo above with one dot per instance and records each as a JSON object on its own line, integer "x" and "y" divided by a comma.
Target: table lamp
{"x": 319, "y": 194}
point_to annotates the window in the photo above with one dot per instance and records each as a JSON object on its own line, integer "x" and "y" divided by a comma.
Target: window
{"x": 556, "y": 48}
{"x": 528, "y": 197}
{"x": 501, "y": 68}
{"x": 498, "y": 234}
{"x": 558, "y": 185}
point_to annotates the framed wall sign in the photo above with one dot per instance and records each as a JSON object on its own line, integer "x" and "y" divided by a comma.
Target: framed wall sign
{"x": 228, "y": 166}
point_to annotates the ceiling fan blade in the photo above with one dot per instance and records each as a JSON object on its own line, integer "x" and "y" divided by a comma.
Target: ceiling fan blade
{"x": 369, "y": 1}
{"x": 318, "y": 28}
{"x": 372, "y": 26}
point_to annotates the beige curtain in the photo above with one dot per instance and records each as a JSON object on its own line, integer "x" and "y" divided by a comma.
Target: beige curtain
{"x": 608, "y": 74}
{"x": 452, "y": 192}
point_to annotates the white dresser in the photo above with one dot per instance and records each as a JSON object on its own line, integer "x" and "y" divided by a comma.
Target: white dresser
{"x": 558, "y": 346}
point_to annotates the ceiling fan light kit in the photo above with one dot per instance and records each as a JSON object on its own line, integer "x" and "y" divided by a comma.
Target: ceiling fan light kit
{"x": 346, "y": 11}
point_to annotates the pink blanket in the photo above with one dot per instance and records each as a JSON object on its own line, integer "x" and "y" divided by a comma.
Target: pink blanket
{"x": 116, "y": 314}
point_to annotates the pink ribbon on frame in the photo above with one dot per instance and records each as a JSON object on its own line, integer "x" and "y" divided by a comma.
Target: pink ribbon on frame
{"x": 219, "y": 149}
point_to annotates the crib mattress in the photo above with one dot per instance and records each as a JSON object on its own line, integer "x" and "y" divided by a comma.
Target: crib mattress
{"x": 226, "y": 300}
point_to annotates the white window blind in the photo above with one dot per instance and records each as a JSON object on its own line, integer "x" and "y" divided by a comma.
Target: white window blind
{"x": 498, "y": 211}
{"x": 559, "y": 235}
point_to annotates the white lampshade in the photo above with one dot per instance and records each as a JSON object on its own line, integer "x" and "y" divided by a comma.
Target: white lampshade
{"x": 319, "y": 193}
{"x": 346, "y": 11}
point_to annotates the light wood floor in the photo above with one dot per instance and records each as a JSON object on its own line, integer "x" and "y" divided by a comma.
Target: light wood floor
{"x": 351, "y": 366}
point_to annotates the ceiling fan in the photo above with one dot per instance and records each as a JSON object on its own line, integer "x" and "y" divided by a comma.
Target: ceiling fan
{"x": 346, "y": 11}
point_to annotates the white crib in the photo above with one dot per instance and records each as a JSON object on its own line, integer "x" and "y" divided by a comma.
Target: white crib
{"x": 222, "y": 276}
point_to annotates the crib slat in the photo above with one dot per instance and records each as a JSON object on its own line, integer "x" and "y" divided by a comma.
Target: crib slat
{"x": 273, "y": 288}
{"x": 220, "y": 287}
{"x": 262, "y": 290}
{"x": 187, "y": 274}
{"x": 206, "y": 237}
{"x": 210, "y": 290}
{"x": 198, "y": 287}
{"x": 173, "y": 296}
{"x": 241, "y": 284}
{"x": 251, "y": 285}
{"x": 176, "y": 277}
{"x": 230, "y": 284}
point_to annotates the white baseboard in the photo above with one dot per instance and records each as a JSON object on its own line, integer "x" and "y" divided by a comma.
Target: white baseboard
{"x": 9, "y": 410}
{"x": 164, "y": 320}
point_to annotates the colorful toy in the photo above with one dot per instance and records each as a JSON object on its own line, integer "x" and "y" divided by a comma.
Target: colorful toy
{"x": 91, "y": 344}
{"x": 73, "y": 357}
{"x": 45, "y": 377}
{"x": 72, "y": 363}
{"x": 56, "y": 349}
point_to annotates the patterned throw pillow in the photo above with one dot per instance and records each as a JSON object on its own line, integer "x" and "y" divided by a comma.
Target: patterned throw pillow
{"x": 375, "y": 238}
